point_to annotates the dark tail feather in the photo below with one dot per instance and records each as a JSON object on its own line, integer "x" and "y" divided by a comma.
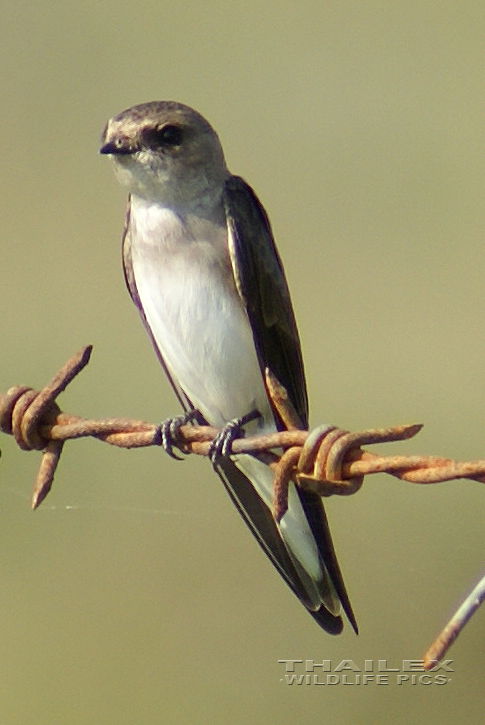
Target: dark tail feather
{"x": 260, "y": 520}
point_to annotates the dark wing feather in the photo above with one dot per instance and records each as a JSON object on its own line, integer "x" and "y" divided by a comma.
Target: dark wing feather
{"x": 261, "y": 283}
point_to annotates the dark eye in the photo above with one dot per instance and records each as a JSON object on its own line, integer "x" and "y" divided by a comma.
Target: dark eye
{"x": 167, "y": 136}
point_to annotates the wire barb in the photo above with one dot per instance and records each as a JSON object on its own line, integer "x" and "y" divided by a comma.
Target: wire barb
{"x": 327, "y": 460}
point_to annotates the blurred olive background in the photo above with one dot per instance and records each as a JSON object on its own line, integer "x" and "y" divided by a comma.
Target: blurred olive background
{"x": 135, "y": 594}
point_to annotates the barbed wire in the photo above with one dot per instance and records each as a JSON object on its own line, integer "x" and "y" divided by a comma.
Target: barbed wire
{"x": 327, "y": 460}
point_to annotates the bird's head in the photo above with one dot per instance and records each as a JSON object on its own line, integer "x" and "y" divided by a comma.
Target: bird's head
{"x": 165, "y": 152}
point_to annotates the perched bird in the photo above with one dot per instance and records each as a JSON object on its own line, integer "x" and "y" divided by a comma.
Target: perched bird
{"x": 202, "y": 267}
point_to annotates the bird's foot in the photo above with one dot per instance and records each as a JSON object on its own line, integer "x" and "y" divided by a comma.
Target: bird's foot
{"x": 169, "y": 432}
{"x": 221, "y": 446}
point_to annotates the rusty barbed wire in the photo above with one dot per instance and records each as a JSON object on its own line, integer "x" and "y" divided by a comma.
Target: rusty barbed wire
{"x": 327, "y": 460}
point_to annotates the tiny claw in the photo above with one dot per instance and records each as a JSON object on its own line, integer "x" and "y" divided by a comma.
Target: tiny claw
{"x": 169, "y": 432}
{"x": 167, "y": 438}
{"x": 222, "y": 443}
{"x": 221, "y": 446}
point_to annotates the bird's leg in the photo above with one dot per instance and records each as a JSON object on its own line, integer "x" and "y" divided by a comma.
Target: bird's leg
{"x": 222, "y": 444}
{"x": 169, "y": 431}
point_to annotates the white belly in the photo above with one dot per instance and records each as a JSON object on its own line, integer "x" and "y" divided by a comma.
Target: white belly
{"x": 196, "y": 318}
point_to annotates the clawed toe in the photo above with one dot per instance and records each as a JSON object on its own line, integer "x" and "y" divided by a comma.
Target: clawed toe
{"x": 222, "y": 443}
{"x": 170, "y": 432}
{"x": 221, "y": 446}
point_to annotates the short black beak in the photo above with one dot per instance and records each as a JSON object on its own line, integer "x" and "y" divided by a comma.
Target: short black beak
{"x": 116, "y": 147}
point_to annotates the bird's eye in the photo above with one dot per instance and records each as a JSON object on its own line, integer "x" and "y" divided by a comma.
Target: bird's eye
{"x": 166, "y": 136}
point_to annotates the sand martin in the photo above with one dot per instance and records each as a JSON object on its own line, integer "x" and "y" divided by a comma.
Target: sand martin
{"x": 202, "y": 267}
